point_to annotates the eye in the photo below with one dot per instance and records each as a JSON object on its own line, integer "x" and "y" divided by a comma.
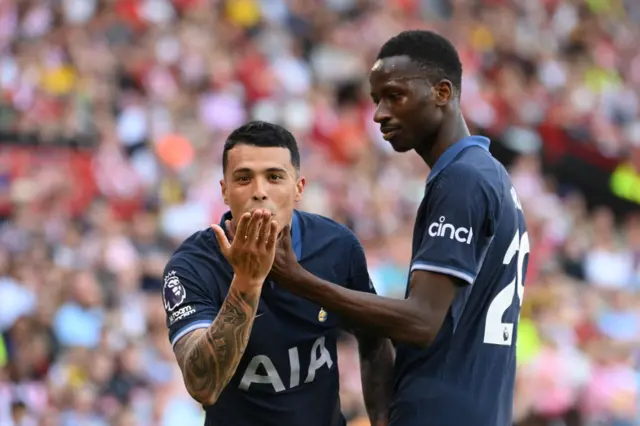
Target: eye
{"x": 393, "y": 97}
{"x": 243, "y": 179}
{"x": 275, "y": 177}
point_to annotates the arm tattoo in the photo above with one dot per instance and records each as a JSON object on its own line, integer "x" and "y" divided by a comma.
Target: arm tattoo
{"x": 209, "y": 359}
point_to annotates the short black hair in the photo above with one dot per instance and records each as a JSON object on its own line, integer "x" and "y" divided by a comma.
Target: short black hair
{"x": 435, "y": 54}
{"x": 262, "y": 134}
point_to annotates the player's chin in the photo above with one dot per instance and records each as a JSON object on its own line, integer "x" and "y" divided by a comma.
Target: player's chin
{"x": 400, "y": 144}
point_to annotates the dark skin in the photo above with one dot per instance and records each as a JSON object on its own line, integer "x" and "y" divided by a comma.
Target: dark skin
{"x": 376, "y": 353}
{"x": 414, "y": 114}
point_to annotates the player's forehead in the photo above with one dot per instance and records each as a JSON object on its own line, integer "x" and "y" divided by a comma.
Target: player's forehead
{"x": 244, "y": 157}
{"x": 393, "y": 70}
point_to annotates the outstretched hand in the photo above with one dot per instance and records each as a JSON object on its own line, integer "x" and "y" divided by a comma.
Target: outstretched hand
{"x": 252, "y": 256}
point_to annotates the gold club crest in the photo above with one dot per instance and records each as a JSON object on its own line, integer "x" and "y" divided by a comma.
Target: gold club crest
{"x": 322, "y": 315}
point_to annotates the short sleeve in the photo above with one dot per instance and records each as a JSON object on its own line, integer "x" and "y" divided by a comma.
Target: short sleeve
{"x": 188, "y": 302}
{"x": 359, "y": 278}
{"x": 458, "y": 224}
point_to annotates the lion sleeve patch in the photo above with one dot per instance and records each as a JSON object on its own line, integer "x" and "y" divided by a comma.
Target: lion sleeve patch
{"x": 190, "y": 294}
{"x": 173, "y": 292}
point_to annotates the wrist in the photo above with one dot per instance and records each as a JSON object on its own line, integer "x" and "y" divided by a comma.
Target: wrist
{"x": 247, "y": 284}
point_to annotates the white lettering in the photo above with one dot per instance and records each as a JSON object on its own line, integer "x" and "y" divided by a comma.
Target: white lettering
{"x": 181, "y": 314}
{"x": 319, "y": 356}
{"x": 251, "y": 376}
{"x": 516, "y": 200}
{"x": 316, "y": 363}
{"x": 294, "y": 362}
{"x": 447, "y": 230}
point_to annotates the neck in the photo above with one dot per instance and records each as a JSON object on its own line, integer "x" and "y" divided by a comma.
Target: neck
{"x": 453, "y": 129}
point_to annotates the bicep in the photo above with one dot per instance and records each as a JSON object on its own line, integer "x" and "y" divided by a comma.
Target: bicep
{"x": 433, "y": 293}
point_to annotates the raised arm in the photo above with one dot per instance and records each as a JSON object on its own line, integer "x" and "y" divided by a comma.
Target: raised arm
{"x": 457, "y": 225}
{"x": 416, "y": 320}
{"x": 208, "y": 358}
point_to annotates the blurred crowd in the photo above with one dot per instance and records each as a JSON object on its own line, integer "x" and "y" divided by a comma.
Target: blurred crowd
{"x": 112, "y": 118}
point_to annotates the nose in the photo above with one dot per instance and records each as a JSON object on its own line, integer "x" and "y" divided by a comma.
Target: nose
{"x": 259, "y": 190}
{"x": 381, "y": 114}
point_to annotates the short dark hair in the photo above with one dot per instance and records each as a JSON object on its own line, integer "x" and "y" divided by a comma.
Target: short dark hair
{"x": 435, "y": 54}
{"x": 262, "y": 134}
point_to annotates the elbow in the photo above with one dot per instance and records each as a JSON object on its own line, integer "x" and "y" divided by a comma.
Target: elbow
{"x": 424, "y": 330}
{"x": 205, "y": 399}
{"x": 422, "y": 335}
{"x": 425, "y": 324}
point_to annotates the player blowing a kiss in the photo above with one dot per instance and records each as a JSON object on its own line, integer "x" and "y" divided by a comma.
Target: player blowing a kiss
{"x": 455, "y": 332}
{"x": 250, "y": 352}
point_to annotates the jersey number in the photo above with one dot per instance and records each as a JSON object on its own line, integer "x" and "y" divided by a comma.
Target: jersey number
{"x": 497, "y": 332}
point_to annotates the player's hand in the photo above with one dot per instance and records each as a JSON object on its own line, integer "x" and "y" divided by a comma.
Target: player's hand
{"x": 252, "y": 256}
{"x": 285, "y": 263}
{"x": 231, "y": 230}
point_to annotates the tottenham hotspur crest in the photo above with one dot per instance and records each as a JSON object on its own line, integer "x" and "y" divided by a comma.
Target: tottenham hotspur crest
{"x": 173, "y": 293}
{"x": 322, "y": 315}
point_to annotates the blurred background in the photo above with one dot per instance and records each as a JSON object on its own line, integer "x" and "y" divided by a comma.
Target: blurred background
{"x": 112, "y": 118}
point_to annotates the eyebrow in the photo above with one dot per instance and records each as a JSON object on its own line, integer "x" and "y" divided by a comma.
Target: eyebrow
{"x": 269, "y": 170}
{"x": 406, "y": 77}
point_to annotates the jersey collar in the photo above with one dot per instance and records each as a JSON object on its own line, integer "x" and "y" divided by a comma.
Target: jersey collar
{"x": 452, "y": 152}
{"x": 296, "y": 234}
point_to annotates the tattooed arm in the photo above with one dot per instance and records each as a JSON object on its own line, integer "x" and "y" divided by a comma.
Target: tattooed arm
{"x": 208, "y": 358}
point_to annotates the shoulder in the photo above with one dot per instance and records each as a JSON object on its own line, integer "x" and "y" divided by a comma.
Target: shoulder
{"x": 323, "y": 226}
{"x": 199, "y": 242}
{"x": 477, "y": 174}
{"x": 475, "y": 166}
{"x": 198, "y": 256}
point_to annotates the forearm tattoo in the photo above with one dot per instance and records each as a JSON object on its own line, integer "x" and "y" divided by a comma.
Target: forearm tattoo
{"x": 209, "y": 360}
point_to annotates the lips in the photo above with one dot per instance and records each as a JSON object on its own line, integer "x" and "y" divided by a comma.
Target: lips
{"x": 389, "y": 132}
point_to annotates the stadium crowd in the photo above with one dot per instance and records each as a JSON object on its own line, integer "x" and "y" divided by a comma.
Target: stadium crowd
{"x": 112, "y": 119}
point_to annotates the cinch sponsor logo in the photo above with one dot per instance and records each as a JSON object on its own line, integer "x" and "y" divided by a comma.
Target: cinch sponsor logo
{"x": 447, "y": 230}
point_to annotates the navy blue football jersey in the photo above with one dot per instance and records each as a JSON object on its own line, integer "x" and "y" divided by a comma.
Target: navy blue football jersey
{"x": 288, "y": 375}
{"x": 470, "y": 226}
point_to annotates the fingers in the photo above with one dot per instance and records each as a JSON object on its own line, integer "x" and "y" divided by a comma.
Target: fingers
{"x": 265, "y": 229}
{"x": 273, "y": 235}
{"x": 285, "y": 237}
{"x": 253, "y": 229}
{"x": 223, "y": 242}
{"x": 241, "y": 229}
{"x": 231, "y": 230}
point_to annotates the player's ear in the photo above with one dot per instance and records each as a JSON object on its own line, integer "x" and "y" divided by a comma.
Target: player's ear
{"x": 223, "y": 189}
{"x": 443, "y": 92}
{"x": 300, "y": 187}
